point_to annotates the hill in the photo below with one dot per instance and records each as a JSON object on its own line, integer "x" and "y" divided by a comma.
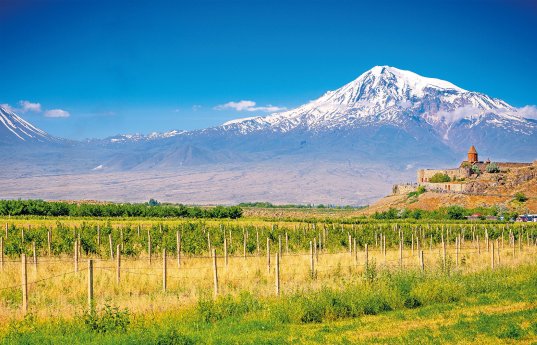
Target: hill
{"x": 487, "y": 190}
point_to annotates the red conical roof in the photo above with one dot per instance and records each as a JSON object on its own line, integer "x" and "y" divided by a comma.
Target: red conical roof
{"x": 472, "y": 150}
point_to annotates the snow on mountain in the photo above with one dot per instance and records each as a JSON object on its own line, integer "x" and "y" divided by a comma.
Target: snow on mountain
{"x": 13, "y": 128}
{"x": 387, "y": 95}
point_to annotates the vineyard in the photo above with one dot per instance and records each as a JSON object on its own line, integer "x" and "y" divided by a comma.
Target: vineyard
{"x": 59, "y": 268}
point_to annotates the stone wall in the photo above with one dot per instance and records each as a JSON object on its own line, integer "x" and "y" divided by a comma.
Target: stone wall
{"x": 423, "y": 175}
{"x": 455, "y": 187}
{"x": 403, "y": 189}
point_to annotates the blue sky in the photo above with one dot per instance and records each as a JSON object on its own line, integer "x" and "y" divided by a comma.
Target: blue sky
{"x": 98, "y": 68}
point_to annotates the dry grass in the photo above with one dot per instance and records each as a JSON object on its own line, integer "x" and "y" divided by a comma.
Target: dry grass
{"x": 140, "y": 288}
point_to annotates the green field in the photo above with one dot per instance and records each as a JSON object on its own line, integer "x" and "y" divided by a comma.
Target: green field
{"x": 337, "y": 280}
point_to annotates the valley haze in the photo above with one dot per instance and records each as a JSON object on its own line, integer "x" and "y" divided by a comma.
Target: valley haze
{"x": 346, "y": 148}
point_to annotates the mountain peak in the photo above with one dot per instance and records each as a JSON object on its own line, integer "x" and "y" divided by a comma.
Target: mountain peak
{"x": 13, "y": 128}
{"x": 409, "y": 79}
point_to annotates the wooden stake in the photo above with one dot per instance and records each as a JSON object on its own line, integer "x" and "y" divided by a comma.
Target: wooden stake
{"x": 492, "y": 256}
{"x": 24, "y": 281}
{"x": 35, "y": 256}
{"x": 277, "y": 274}
{"x": 422, "y": 261}
{"x": 149, "y": 246}
{"x": 164, "y": 270}
{"x": 268, "y": 254}
{"x": 312, "y": 263}
{"x": 366, "y": 256}
{"x": 76, "y": 255}
{"x": 215, "y": 270}
{"x": 286, "y": 243}
{"x": 118, "y": 263}
{"x": 178, "y": 246}
{"x": 49, "y": 242}
{"x": 1, "y": 253}
{"x": 90, "y": 285}
{"x": 111, "y": 246}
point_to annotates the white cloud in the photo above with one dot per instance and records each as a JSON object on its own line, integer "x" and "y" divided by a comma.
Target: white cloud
{"x": 7, "y": 107}
{"x": 248, "y": 106}
{"x": 57, "y": 113}
{"x": 27, "y": 106}
{"x": 457, "y": 114}
{"x": 196, "y": 107}
{"x": 529, "y": 112}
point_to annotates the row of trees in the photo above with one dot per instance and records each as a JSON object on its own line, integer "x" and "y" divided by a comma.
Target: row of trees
{"x": 452, "y": 212}
{"x": 45, "y": 208}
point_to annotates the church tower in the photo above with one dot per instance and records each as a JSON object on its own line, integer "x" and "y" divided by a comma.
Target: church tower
{"x": 472, "y": 155}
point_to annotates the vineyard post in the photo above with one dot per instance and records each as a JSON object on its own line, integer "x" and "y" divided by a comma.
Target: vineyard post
{"x": 315, "y": 251}
{"x": 487, "y": 240}
{"x": 22, "y": 236}
{"x": 35, "y": 256}
{"x": 268, "y": 254}
{"x": 256, "y": 240}
{"x": 498, "y": 246}
{"x": 149, "y": 246}
{"x": 98, "y": 236}
{"x": 492, "y": 256}
{"x": 1, "y": 253}
{"x": 412, "y": 244}
{"x": 355, "y": 251}
{"x": 178, "y": 246}
{"x": 312, "y": 263}
{"x": 418, "y": 245}
{"x": 350, "y": 244}
{"x": 209, "y": 242}
{"x": 520, "y": 241}
{"x": 164, "y": 269}
{"x": 121, "y": 237}
{"x": 457, "y": 245}
{"x": 513, "y": 244}
{"x": 24, "y": 280}
{"x": 49, "y": 242}
{"x": 400, "y": 253}
{"x": 111, "y": 246}
{"x": 90, "y": 285}
{"x": 277, "y": 274}
{"x": 320, "y": 242}
{"x": 443, "y": 254}
{"x": 118, "y": 263}
{"x": 215, "y": 270}
{"x": 244, "y": 245}
{"x": 384, "y": 247}
{"x": 287, "y": 243}
{"x": 225, "y": 251}
{"x": 422, "y": 262}
{"x": 280, "y": 244}
{"x": 76, "y": 255}
{"x": 138, "y": 230}
{"x": 366, "y": 257}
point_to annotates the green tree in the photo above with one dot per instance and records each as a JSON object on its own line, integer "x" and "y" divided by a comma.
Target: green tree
{"x": 493, "y": 168}
{"x": 521, "y": 197}
{"x": 439, "y": 178}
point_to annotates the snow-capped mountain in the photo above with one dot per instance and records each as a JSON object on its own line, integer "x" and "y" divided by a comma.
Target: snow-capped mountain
{"x": 385, "y": 116}
{"x": 14, "y": 129}
{"x": 389, "y": 96}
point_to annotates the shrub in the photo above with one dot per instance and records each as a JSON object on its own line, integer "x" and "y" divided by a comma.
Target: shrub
{"x": 475, "y": 170}
{"x": 520, "y": 197}
{"x": 455, "y": 212}
{"x": 439, "y": 178}
{"x": 511, "y": 331}
{"x": 109, "y": 319}
{"x": 493, "y": 168}
{"x": 172, "y": 337}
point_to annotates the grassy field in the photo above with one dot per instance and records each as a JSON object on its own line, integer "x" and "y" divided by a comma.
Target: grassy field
{"x": 382, "y": 296}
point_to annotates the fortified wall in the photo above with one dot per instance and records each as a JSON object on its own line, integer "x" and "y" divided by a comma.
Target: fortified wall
{"x": 458, "y": 176}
